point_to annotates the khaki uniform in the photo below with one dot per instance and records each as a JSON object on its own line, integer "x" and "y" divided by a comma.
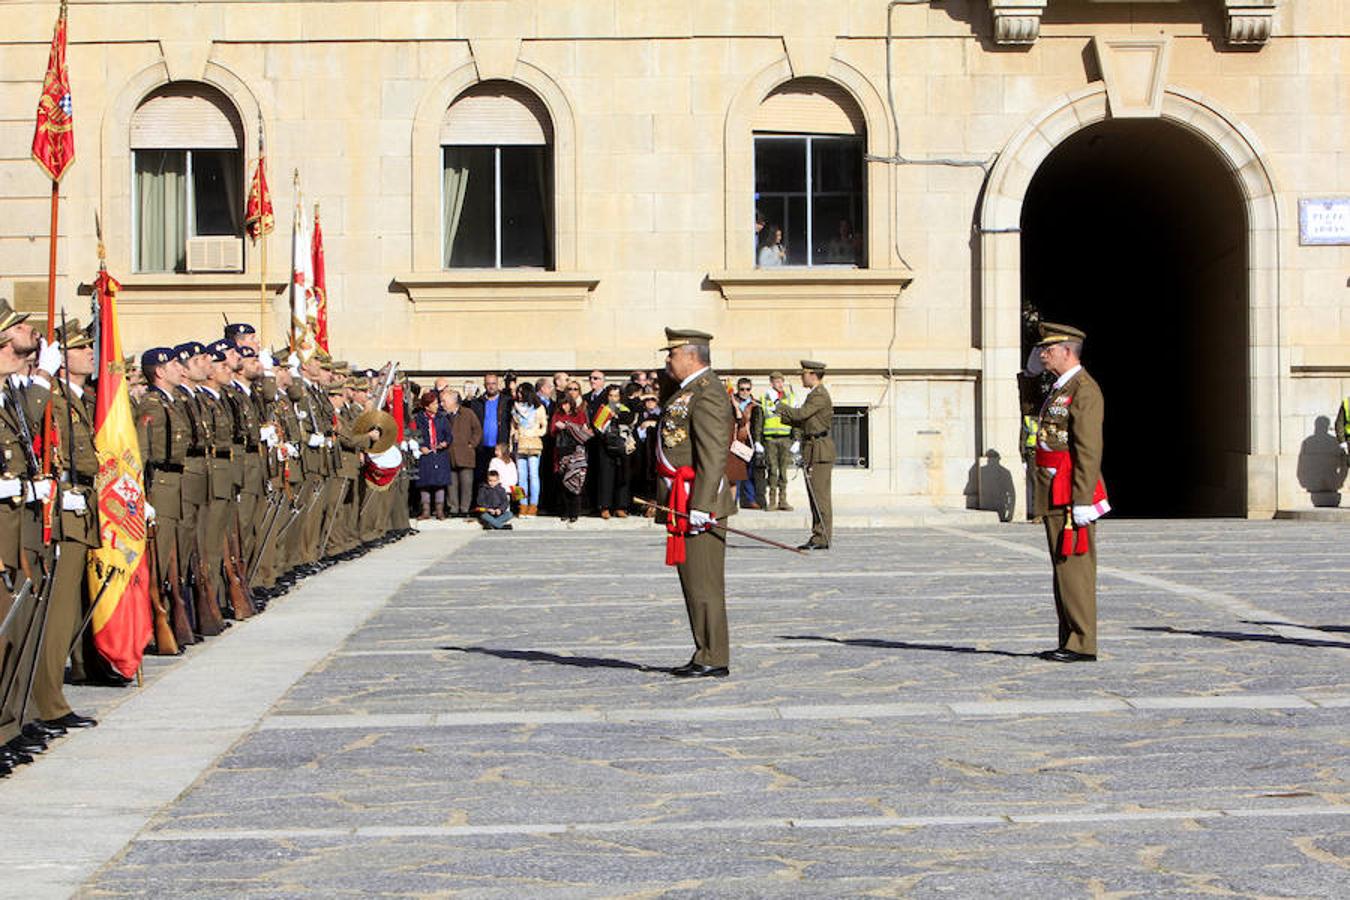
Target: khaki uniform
{"x": 814, "y": 418}
{"x": 351, "y": 445}
{"x": 695, "y": 430}
{"x": 1071, "y": 420}
{"x": 224, "y": 483}
{"x": 165, "y": 435}
{"x": 251, "y": 465}
{"x": 77, "y": 531}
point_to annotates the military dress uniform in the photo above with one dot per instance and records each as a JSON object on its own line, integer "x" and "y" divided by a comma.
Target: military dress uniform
{"x": 1068, "y": 485}
{"x": 814, "y": 419}
{"x": 196, "y": 483}
{"x": 695, "y": 431}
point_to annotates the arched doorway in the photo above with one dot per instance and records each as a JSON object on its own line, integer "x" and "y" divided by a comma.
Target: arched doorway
{"x": 1136, "y": 231}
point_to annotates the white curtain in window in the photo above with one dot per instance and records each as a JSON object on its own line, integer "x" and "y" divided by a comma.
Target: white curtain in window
{"x": 454, "y": 187}
{"x": 161, "y": 210}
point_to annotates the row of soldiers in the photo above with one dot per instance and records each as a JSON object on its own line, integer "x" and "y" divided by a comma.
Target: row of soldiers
{"x": 257, "y": 475}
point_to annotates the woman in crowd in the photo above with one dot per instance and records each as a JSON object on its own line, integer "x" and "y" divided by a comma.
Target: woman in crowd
{"x": 614, "y": 424}
{"x": 433, "y": 466}
{"x": 571, "y": 431}
{"x": 528, "y": 424}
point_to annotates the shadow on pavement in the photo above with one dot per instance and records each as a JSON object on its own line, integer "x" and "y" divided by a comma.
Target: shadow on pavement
{"x": 579, "y": 662}
{"x": 1337, "y": 629}
{"x": 1244, "y": 637}
{"x": 881, "y": 644}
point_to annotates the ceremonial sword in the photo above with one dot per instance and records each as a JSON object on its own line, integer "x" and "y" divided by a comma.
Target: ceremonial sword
{"x": 727, "y": 528}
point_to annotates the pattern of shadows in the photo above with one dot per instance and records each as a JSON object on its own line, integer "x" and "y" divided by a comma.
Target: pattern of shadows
{"x": 881, "y": 644}
{"x": 1336, "y": 629}
{"x": 1242, "y": 636}
{"x": 579, "y": 662}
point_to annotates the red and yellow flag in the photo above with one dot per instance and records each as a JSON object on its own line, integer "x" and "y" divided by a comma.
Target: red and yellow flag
{"x": 54, "y": 138}
{"x": 258, "y": 218}
{"x": 122, "y": 624}
{"x": 602, "y": 416}
{"x": 320, "y": 285}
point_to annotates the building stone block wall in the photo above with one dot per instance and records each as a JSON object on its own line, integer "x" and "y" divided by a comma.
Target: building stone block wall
{"x": 650, "y": 102}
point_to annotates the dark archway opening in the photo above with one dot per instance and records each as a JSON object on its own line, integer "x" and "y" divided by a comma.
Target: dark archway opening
{"x": 1135, "y": 231}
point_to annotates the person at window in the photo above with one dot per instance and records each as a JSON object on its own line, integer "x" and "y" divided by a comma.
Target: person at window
{"x": 571, "y": 431}
{"x": 494, "y": 504}
{"x": 493, "y": 409}
{"x": 466, "y": 434}
{"x": 772, "y": 253}
{"x": 845, "y": 246}
{"x": 433, "y": 466}
{"x": 529, "y": 421}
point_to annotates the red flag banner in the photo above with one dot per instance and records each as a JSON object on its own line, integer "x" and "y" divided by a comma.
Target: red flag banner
{"x": 258, "y": 218}
{"x": 122, "y": 624}
{"x": 320, "y": 285}
{"x": 54, "y": 138}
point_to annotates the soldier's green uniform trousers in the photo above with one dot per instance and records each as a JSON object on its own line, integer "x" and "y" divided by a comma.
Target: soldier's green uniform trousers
{"x": 777, "y": 460}
{"x": 822, "y": 506}
{"x": 1075, "y": 587}
{"x": 703, "y": 578}
{"x": 19, "y": 644}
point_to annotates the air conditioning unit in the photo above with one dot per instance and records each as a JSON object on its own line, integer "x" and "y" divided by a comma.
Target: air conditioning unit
{"x": 215, "y": 254}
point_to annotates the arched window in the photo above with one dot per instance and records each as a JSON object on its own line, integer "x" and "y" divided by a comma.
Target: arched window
{"x": 809, "y": 177}
{"x": 188, "y": 181}
{"x": 497, "y": 179}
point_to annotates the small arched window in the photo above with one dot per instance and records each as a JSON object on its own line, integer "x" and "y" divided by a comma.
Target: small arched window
{"x": 809, "y": 177}
{"x": 497, "y": 179}
{"x": 188, "y": 173}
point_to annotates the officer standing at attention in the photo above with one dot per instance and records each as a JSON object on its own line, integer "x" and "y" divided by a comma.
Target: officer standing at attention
{"x": 695, "y": 431}
{"x": 1069, "y": 492}
{"x": 814, "y": 418}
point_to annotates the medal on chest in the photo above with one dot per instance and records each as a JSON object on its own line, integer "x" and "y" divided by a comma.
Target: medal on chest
{"x": 675, "y": 421}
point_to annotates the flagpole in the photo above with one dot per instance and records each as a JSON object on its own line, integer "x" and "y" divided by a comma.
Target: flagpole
{"x": 262, "y": 294}
{"x": 295, "y": 236}
{"x": 51, "y": 334}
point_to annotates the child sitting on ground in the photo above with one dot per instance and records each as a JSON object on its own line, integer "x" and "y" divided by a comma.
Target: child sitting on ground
{"x": 494, "y": 504}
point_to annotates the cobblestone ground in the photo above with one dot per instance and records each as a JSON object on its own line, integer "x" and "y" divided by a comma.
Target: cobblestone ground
{"x": 505, "y": 726}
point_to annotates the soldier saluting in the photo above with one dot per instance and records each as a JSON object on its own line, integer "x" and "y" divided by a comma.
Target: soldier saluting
{"x": 1068, "y": 488}
{"x": 814, "y": 418}
{"x": 691, "y": 455}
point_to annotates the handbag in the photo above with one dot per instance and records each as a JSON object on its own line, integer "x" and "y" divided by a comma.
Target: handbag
{"x": 742, "y": 451}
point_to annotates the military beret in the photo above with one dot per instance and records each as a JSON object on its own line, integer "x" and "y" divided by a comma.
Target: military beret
{"x": 234, "y": 329}
{"x": 359, "y": 384}
{"x": 246, "y": 352}
{"x": 1053, "y": 333}
{"x": 73, "y": 337}
{"x": 189, "y": 349}
{"x": 221, "y": 346}
{"x": 811, "y": 365}
{"x": 336, "y": 389}
{"x": 776, "y": 374}
{"x": 679, "y": 337}
{"x": 158, "y": 356}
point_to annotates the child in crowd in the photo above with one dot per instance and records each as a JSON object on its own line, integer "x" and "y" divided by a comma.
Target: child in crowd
{"x": 494, "y": 505}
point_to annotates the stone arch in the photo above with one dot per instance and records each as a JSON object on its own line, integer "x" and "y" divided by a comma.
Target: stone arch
{"x": 739, "y": 159}
{"x": 115, "y": 150}
{"x": 1001, "y": 270}
{"x": 426, "y": 161}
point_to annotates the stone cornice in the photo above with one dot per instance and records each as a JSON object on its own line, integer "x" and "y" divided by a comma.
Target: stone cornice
{"x": 814, "y": 288}
{"x": 1249, "y": 21}
{"x": 497, "y": 290}
{"x": 1017, "y": 23}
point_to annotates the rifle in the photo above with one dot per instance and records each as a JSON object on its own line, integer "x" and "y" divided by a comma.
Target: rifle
{"x": 332, "y": 519}
{"x": 165, "y": 642}
{"x": 388, "y": 383}
{"x": 178, "y": 607}
{"x": 270, "y": 517}
{"x": 209, "y": 620}
{"x": 36, "y": 634}
{"x": 239, "y": 601}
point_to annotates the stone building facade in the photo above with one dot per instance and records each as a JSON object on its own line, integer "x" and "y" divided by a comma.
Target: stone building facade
{"x": 544, "y": 184}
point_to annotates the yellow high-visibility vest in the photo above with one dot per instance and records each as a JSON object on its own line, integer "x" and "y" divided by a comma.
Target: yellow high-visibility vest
{"x": 773, "y": 425}
{"x": 1031, "y": 427}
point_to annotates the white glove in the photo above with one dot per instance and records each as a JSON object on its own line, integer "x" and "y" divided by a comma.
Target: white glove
{"x": 293, "y": 361}
{"x": 1085, "y": 515}
{"x": 796, "y": 447}
{"x": 10, "y": 487}
{"x": 149, "y": 513}
{"x": 268, "y": 434}
{"x": 73, "y": 502}
{"x": 315, "y": 440}
{"x": 291, "y": 450}
{"x": 49, "y": 356}
{"x": 1345, "y": 448}
{"x": 328, "y": 442}
{"x": 39, "y": 490}
{"x": 268, "y": 363}
{"x": 759, "y": 448}
{"x": 699, "y": 520}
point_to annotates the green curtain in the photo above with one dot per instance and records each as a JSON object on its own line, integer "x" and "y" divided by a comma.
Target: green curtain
{"x": 454, "y": 187}
{"x": 161, "y": 210}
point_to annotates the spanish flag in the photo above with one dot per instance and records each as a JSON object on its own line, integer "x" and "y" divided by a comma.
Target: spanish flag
{"x": 122, "y": 624}
{"x": 602, "y": 416}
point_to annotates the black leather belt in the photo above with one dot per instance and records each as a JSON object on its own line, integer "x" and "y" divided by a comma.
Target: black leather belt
{"x": 84, "y": 480}
{"x": 175, "y": 468}
{"x": 224, "y": 454}
{"x": 817, "y": 435}
{"x": 196, "y": 451}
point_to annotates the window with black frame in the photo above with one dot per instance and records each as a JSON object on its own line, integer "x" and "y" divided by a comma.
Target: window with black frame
{"x": 849, "y": 429}
{"x": 497, "y": 180}
{"x": 809, "y": 195}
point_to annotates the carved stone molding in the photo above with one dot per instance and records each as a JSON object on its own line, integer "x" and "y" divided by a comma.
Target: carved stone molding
{"x": 811, "y": 288}
{"x": 1249, "y": 21}
{"x": 489, "y": 290}
{"x": 1016, "y": 22}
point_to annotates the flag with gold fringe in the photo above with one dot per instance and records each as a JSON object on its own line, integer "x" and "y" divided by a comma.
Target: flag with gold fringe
{"x": 121, "y": 623}
{"x": 54, "y": 137}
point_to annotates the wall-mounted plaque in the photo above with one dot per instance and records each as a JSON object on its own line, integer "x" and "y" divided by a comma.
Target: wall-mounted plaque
{"x": 1324, "y": 220}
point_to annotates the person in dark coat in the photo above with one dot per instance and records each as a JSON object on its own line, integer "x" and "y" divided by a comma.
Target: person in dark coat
{"x": 466, "y": 434}
{"x": 433, "y": 466}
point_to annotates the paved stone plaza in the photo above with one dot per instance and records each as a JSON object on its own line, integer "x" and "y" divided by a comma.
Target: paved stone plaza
{"x": 489, "y": 714}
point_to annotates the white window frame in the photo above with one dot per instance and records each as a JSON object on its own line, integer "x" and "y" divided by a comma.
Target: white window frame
{"x": 810, "y": 140}
{"x": 496, "y": 208}
{"x": 191, "y": 206}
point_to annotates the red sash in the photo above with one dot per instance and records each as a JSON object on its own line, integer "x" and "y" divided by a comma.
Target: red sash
{"x": 1073, "y": 541}
{"x": 677, "y": 522}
